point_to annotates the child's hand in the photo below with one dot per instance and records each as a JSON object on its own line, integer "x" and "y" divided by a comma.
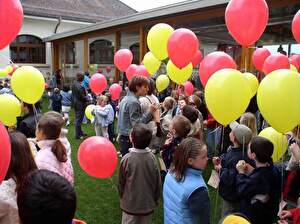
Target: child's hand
{"x": 295, "y": 150}
{"x": 249, "y": 168}
{"x": 216, "y": 160}
{"x": 285, "y": 214}
{"x": 241, "y": 166}
{"x": 218, "y": 167}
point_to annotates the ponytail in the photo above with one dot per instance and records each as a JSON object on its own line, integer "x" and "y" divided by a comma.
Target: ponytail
{"x": 59, "y": 151}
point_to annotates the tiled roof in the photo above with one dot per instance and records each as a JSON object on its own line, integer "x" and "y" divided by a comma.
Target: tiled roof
{"x": 78, "y": 10}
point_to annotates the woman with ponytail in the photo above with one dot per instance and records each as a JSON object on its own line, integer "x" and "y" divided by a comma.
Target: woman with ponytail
{"x": 52, "y": 154}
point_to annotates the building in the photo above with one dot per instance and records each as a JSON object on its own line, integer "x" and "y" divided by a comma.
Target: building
{"x": 95, "y": 44}
{"x": 43, "y": 18}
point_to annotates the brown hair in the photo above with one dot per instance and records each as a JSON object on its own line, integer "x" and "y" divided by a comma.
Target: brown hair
{"x": 169, "y": 103}
{"x": 248, "y": 119}
{"x": 21, "y": 161}
{"x": 194, "y": 100}
{"x": 141, "y": 136}
{"x": 181, "y": 125}
{"x": 50, "y": 124}
{"x": 175, "y": 95}
{"x": 296, "y": 133}
{"x": 138, "y": 81}
{"x": 188, "y": 148}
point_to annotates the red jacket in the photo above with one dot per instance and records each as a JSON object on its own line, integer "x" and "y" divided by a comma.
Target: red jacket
{"x": 295, "y": 215}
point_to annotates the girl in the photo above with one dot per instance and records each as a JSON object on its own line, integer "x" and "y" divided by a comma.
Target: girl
{"x": 185, "y": 192}
{"x": 249, "y": 120}
{"x": 104, "y": 115}
{"x": 56, "y": 100}
{"x": 21, "y": 163}
{"x": 52, "y": 155}
{"x": 66, "y": 101}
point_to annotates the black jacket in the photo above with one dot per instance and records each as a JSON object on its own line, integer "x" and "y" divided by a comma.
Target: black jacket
{"x": 27, "y": 124}
{"x": 262, "y": 181}
{"x": 227, "y": 186}
{"x": 79, "y": 98}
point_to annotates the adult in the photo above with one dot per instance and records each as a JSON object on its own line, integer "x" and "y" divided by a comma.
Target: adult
{"x": 58, "y": 78}
{"x": 46, "y": 197}
{"x": 80, "y": 101}
{"x": 130, "y": 111}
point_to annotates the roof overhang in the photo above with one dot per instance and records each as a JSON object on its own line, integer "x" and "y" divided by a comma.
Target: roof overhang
{"x": 142, "y": 16}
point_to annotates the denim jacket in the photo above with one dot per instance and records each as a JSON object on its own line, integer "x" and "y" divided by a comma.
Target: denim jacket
{"x": 130, "y": 113}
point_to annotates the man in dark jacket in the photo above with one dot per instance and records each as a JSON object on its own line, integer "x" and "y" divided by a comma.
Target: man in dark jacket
{"x": 80, "y": 101}
{"x": 27, "y": 123}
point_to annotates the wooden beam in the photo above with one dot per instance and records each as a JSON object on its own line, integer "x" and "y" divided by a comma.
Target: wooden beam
{"x": 55, "y": 57}
{"x": 143, "y": 44}
{"x": 246, "y": 64}
{"x": 85, "y": 54}
{"x": 117, "y": 47}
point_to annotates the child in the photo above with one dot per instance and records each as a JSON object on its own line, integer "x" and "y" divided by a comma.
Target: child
{"x": 139, "y": 178}
{"x": 56, "y": 100}
{"x": 293, "y": 214}
{"x": 249, "y": 120}
{"x": 66, "y": 101}
{"x": 166, "y": 116}
{"x": 185, "y": 193}
{"x": 193, "y": 115}
{"x": 240, "y": 136}
{"x": 259, "y": 190}
{"x": 52, "y": 155}
{"x": 104, "y": 115}
{"x": 180, "y": 127}
{"x": 21, "y": 163}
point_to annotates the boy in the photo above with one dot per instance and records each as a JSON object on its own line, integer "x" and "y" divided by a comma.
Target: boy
{"x": 139, "y": 179}
{"x": 180, "y": 127}
{"x": 240, "y": 136}
{"x": 260, "y": 189}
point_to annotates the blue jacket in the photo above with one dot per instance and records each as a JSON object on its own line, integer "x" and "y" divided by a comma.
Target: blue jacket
{"x": 56, "y": 102}
{"x": 66, "y": 98}
{"x": 104, "y": 116}
{"x": 176, "y": 196}
{"x": 228, "y": 173}
{"x": 86, "y": 82}
{"x": 260, "y": 194}
{"x": 130, "y": 113}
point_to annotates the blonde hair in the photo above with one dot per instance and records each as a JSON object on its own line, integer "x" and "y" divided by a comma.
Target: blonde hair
{"x": 296, "y": 133}
{"x": 102, "y": 98}
{"x": 249, "y": 120}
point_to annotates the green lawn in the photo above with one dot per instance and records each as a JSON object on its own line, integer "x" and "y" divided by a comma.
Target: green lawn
{"x": 98, "y": 200}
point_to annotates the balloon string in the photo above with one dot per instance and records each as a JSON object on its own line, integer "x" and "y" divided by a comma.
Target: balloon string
{"x": 113, "y": 184}
{"x": 246, "y": 59}
{"x": 35, "y": 114}
{"x": 282, "y": 168}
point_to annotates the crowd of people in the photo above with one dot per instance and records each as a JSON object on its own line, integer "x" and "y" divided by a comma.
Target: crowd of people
{"x": 39, "y": 185}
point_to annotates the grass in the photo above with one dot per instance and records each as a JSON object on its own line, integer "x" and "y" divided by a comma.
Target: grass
{"x": 98, "y": 200}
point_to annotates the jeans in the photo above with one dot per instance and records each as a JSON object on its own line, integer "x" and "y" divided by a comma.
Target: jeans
{"x": 125, "y": 144}
{"x": 79, "y": 114}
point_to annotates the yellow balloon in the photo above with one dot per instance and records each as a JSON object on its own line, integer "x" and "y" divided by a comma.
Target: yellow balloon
{"x": 278, "y": 97}
{"x": 162, "y": 82}
{"x": 88, "y": 111}
{"x": 28, "y": 84}
{"x": 178, "y": 75}
{"x": 227, "y": 95}
{"x": 151, "y": 63}
{"x": 3, "y": 73}
{"x": 157, "y": 40}
{"x": 9, "y": 69}
{"x": 293, "y": 68}
{"x": 10, "y": 109}
{"x": 252, "y": 81}
{"x": 279, "y": 141}
{"x": 235, "y": 219}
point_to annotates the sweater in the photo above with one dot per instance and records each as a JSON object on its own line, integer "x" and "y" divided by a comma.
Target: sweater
{"x": 139, "y": 182}
{"x": 8, "y": 202}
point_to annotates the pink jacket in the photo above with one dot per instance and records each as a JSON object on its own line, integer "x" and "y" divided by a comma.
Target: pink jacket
{"x": 45, "y": 159}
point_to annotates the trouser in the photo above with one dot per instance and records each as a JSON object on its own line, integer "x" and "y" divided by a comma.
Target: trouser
{"x": 136, "y": 219}
{"x": 111, "y": 131}
{"x": 125, "y": 144}
{"x": 101, "y": 131}
{"x": 78, "y": 122}
{"x": 66, "y": 110}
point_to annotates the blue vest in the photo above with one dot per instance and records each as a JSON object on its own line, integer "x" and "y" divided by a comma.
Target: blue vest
{"x": 176, "y": 195}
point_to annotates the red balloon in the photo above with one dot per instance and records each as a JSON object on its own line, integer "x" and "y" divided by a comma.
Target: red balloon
{"x": 115, "y": 91}
{"x": 46, "y": 85}
{"x": 197, "y": 59}
{"x": 100, "y": 70}
{"x": 131, "y": 71}
{"x": 213, "y": 62}
{"x": 182, "y": 46}
{"x": 108, "y": 69}
{"x": 98, "y": 83}
{"x": 275, "y": 62}
{"x": 122, "y": 59}
{"x": 11, "y": 19}
{"x": 97, "y": 156}
{"x": 5, "y": 152}
{"x": 141, "y": 70}
{"x": 259, "y": 56}
{"x": 295, "y": 59}
{"x": 296, "y": 26}
{"x": 188, "y": 88}
{"x": 246, "y": 20}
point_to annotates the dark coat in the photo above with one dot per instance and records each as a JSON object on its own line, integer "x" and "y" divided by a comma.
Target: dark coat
{"x": 79, "y": 97}
{"x": 27, "y": 124}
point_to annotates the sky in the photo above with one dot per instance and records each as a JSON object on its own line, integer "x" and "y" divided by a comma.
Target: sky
{"x": 141, "y": 5}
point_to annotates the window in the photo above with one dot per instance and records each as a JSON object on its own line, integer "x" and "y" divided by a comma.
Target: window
{"x": 28, "y": 49}
{"x": 135, "y": 49}
{"x": 101, "y": 52}
{"x": 70, "y": 53}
